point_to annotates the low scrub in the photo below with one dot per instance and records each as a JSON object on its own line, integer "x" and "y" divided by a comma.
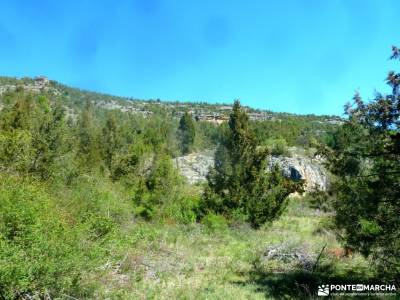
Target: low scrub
{"x": 40, "y": 253}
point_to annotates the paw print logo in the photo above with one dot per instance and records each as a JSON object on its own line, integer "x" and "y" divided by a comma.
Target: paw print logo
{"x": 323, "y": 290}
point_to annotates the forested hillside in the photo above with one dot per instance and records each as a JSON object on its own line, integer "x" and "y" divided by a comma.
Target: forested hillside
{"x": 271, "y": 128}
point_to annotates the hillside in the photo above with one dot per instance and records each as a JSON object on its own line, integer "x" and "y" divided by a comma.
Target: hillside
{"x": 75, "y": 98}
{"x": 297, "y": 130}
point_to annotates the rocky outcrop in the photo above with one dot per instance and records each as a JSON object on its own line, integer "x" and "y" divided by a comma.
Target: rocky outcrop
{"x": 195, "y": 167}
{"x": 125, "y": 107}
{"x": 37, "y": 85}
{"x": 301, "y": 167}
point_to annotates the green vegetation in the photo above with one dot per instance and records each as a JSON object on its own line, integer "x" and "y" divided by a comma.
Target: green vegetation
{"x": 80, "y": 241}
{"x": 186, "y": 133}
{"x": 93, "y": 207}
{"x": 69, "y": 185}
{"x": 292, "y": 130}
{"x": 52, "y": 237}
{"x": 296, "y": 130}
{"x": 366, "y": 161}
{"x": 239, "y": 185}
{"x": 277, "y": 147}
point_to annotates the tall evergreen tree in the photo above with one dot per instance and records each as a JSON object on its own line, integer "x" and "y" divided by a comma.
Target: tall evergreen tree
{"x": 32, "y": 133}
{"x": 239, "y": 182}
{"x": 111, "y": 139}
{"x": 88, "y": 148}
{"x": 47, "y": 137}
{"x": 186, "y": 133}
{"x": 15, "y": 134}
{"x": 365, "y": 158}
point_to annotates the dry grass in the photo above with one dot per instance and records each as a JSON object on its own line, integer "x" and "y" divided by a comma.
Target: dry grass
{"x": 159, "y": 261}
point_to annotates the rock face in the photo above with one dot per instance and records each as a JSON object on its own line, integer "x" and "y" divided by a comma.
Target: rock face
{"x": 39, "y": 84}
{"x": 300, "y": 167}
{"x": 195, "y": 167}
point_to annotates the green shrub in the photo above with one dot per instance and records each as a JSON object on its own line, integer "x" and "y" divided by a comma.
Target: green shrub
{"x": 89, "y": 197}
{"x": 15, "y": 150}
{"x": 100, "y": 226}
{"x": 214, "y": 222}
{"x": 319, "y": 200}
{"x": 183, "y": 209}
{"x": 144, "y": 205}
{"x": 278, "y": 147}
{"x": 160, "y": 191}
{"x": 39, "y": 252}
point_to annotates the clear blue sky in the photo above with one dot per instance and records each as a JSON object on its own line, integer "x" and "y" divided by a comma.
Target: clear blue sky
{"x": 295, "y": 56}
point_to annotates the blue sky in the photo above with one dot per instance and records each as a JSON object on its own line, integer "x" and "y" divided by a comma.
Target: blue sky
{"x": 294, "y": 56}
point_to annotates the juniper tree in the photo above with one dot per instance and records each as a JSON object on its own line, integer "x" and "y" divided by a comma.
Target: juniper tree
{"x": 186, "y": 133}
{"x": 32, "y": 135}
{"x": 239, "y": 183}
{"x": 365, "y": 157}
{"x": 111, "y": 139}
{"x": 88, "y": 147}
{"x": 47, "y": 137}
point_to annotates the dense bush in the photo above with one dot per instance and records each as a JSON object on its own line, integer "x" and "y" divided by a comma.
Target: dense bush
{"x": 300, "y": 131}
{"x": 214, "y": 222}
{"x": 52, "y": 235}
{"x": 321, "y": 200}
{"x": 40, "y": 254}
{"x": 161, "y": 193}
{"x": 277, "y": 147}
{"x": 32, "y": 135}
